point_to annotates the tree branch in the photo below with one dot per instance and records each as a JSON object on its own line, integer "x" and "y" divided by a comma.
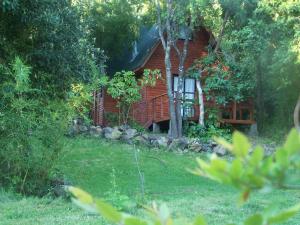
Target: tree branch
{"x": 219, "y": 40}
{"x": 159, "y": 24}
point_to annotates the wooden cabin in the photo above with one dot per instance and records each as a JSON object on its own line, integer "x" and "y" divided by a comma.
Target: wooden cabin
{"x": 148, "y": 53}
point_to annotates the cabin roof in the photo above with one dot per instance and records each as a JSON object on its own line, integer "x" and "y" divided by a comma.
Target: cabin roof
{"x": 134, "y": 57}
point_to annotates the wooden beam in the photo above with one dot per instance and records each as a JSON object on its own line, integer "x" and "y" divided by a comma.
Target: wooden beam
{"x": 234, "y": 110}
{"x": 231, "y": 121}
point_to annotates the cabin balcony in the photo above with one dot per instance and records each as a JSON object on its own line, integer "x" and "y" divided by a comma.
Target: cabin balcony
{"x": 156, "y": 110}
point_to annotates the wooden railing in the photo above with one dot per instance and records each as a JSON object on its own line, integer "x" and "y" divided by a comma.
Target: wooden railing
{"x": 152, "y": 111}
{"x": 238, "y": 113}
{"x": 156, "y": 110}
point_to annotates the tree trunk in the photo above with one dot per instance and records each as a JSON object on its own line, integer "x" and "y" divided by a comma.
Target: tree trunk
{"x": 179, "y": 101}
{"x": 180, "y": 85}
{"x": 201, "y": 102}
{"x": 173, "y": 121}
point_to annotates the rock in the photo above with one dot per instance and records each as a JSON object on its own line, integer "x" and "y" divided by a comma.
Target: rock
{"x": 141, "y": 140}
{"x": 124, "y": 127}
{"x": 180, "y": 143}
{"x": 96, "y": 131}
{"x": 220, "y": 150}
{"x": 195, "y": 146}
{"x": 115, "y": 134}
{"x": 213, "y": 144}
{"x": 160, "y": 142}
{"x": 58, "y": 187}
{"x": 107, "y": 132}
{"x": 253, "y": 132}
{"x": 99, "y": 130}
{"x": 83, "y": 129}
{"x": 130, "y": 133}
{"x": 92, "y": 128}
{"x": 206, "y": 147}
{"x": 127, "y": 140}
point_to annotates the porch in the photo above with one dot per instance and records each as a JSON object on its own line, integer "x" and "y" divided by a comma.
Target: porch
{"x": 156, "y": 110}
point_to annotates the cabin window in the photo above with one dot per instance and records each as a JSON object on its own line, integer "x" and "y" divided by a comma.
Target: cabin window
{"x": 187, "y": 109}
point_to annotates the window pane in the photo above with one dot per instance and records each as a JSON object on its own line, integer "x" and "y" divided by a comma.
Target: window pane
{"x": 189, "y": 96}
{"x": 189, "y": 88}
{"x": 175, "y": 83}
{"x": 189, "y": 85}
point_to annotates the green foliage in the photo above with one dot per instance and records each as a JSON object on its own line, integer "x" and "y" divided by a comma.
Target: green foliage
{"x": 249, "y": 172}
{"x": 211, "y": 129}
{"x": 54, "y": 37}
{"x": 114, "y": 195}
{"x": 30, "y": 133}
{"x": 125, "y": 88}
{"x": 265, "y": 51}
{"x": 246, "y": 172}
{"x": 117, "y": 25}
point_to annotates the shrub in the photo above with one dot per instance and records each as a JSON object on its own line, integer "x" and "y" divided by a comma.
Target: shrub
{"x": 206, "y": 133}
{"x": 31, "y": 131}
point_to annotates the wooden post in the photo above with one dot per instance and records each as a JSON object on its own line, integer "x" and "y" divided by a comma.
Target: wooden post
{"x": 153, "y": 109}
{"x": 234, "y": 110}
{"x": 161, "y": 107}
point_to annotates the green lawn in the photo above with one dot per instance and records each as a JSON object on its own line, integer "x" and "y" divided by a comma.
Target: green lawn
{"x": 88, "y": 163}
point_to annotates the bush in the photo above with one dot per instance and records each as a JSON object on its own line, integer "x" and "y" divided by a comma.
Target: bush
{"x": 206, "y": 133}
{"x": 211, "y": 129}
{"x": 31, "y": 131}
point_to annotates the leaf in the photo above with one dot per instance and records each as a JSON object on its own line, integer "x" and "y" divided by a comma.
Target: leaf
{"x": 241, "y": 144}
{"x": 236, "y": 169}
{"x": 285, "y": 215}
{"x": 81, "y": 195}
{"x": 200, "y": 221}
{"x": 292, "y": 144}
{"x": 282, "y": 157}
{"x": 257, "y": 156}
{"x": 108, "y": 212}
{"x": 256, "y": 219}
{"x": 87, "y": 207}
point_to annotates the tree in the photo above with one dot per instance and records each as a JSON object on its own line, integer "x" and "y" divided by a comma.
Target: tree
{"x": 267, "y": 56}
{"x": 125, "y": 88}
{"x": 176, "y": 17}
{"x": 54, "y": 38}
{"x": 117, "y": 25}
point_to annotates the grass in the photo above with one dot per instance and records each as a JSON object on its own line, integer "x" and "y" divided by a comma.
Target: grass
{"x": 88, "y": 163}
